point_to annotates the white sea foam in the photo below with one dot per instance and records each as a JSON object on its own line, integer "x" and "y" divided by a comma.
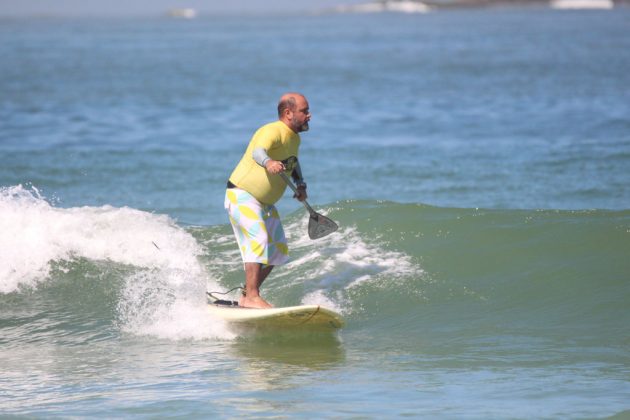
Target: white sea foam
{"x": 163, "y": 296}
{"x": 319, "y": 298}
{"x": 168, "y": 305}
{"x": 342, "y": 261}
{"x": 327, "y": 268}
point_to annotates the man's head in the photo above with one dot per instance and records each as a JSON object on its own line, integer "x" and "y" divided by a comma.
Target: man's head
{"x": 294, "y": 112}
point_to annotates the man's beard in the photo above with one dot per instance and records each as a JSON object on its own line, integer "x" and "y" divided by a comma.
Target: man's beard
{"x": 300, "y": 128}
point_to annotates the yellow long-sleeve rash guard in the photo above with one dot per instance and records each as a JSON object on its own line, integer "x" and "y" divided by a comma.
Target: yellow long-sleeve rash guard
{"x": 280, "y": 142}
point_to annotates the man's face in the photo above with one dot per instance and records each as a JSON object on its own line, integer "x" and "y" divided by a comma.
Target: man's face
{"x": 300, "y": 116}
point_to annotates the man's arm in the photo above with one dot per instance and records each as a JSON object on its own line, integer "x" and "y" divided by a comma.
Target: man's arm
{"x": 297, "y": 176}
{"x": 261, "y": 157}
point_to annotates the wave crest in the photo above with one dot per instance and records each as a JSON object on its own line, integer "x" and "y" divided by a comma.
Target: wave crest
{"x": 165, "y": 284}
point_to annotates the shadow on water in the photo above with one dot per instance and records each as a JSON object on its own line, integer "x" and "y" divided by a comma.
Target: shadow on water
{"x": 317, "y": 351}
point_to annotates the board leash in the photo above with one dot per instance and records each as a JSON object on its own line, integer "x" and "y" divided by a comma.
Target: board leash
{"x": 219, "y": 301}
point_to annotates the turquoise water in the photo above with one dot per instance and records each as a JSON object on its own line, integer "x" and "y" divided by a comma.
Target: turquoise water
{"x": 476, "y": 162}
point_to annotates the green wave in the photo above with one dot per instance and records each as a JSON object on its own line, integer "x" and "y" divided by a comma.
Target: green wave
{"x": 404, "y": 269}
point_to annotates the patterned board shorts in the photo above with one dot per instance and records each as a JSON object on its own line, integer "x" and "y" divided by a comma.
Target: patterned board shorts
{"x": 257, "y": 228}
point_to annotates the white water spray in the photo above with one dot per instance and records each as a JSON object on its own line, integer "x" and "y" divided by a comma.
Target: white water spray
{"x": 165, "y": 294}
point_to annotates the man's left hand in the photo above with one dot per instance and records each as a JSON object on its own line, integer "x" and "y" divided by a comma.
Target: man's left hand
{"x": 301, "y": 193}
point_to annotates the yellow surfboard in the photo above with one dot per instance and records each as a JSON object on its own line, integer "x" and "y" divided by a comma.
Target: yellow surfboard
{"x": 295, "y": 318}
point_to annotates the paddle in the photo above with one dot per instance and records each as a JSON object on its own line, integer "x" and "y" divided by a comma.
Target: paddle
{"x": 318, "y": 225}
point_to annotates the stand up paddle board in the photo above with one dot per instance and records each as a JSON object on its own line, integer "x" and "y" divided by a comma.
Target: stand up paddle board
{"x": 296, "y": 318}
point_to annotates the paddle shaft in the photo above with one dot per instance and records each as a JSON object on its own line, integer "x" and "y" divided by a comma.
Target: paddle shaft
{"x": 295, "y": 190}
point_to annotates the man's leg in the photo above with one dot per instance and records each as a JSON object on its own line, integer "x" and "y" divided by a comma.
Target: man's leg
{"x": 268, "y": 245}
{"x": 255, "y": 275}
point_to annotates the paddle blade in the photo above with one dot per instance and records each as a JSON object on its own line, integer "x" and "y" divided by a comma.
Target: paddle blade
{"x": 320, "y": 226}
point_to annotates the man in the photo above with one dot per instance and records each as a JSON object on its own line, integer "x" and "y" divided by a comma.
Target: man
{"x": 255, "y": 186}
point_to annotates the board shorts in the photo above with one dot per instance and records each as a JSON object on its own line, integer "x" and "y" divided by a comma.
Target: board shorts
{"x": 257, "y": 228}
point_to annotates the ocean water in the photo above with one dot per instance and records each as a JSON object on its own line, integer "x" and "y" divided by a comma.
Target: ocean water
{"x": 477, "y": 162}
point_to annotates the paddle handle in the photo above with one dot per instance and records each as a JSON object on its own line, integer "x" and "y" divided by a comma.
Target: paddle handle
{"x": 295, "y": 190}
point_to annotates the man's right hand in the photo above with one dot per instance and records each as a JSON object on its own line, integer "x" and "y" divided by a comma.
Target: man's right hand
{"x": 274, "y": 166}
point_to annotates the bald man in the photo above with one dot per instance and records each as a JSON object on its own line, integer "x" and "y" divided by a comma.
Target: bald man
{"x": 255, "y": 186}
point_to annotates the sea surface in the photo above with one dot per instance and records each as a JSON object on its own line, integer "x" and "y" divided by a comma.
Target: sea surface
{"x": 477, "y": 162}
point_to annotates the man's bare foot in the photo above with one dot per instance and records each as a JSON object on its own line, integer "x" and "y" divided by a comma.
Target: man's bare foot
{"x": 254, "y": 302}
